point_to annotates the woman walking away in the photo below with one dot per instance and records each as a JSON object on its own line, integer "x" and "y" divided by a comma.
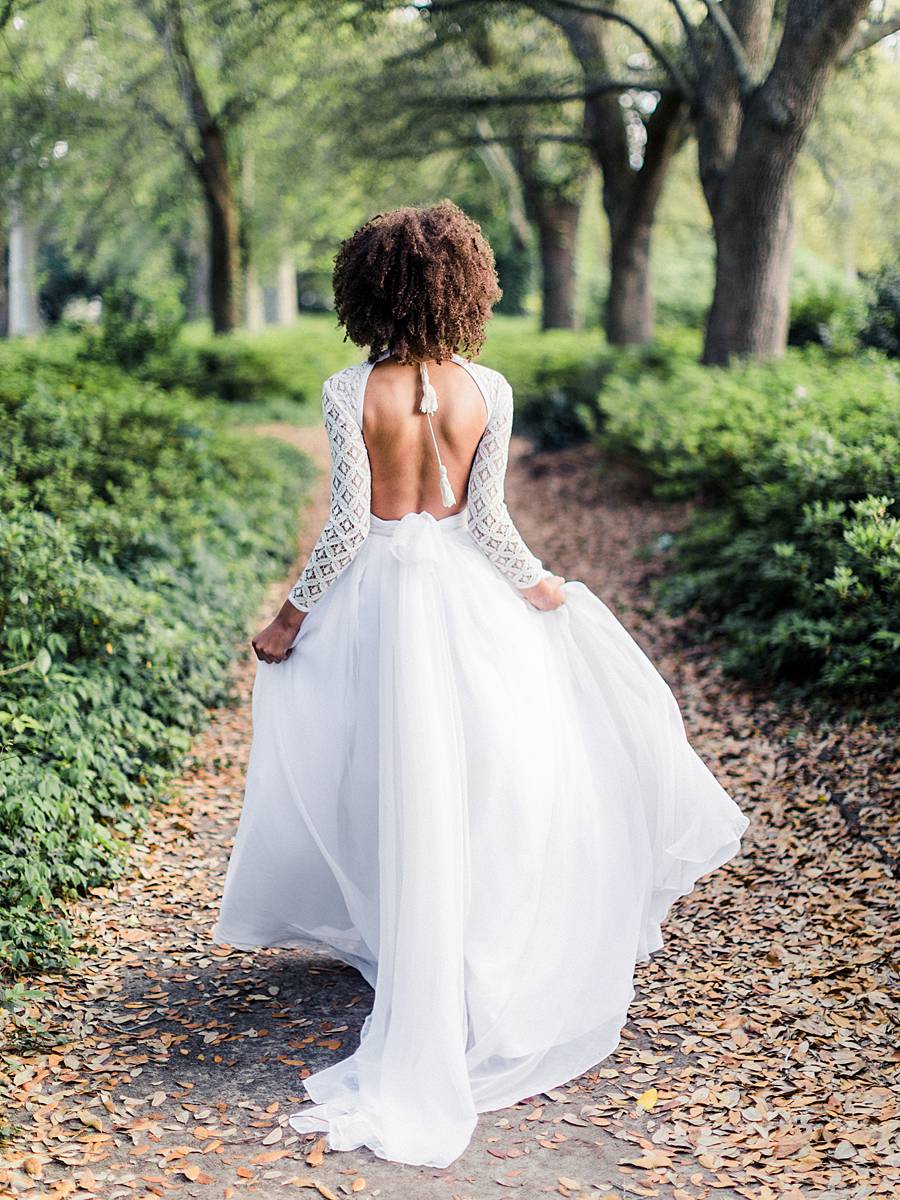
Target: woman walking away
{"x": 466, "y": 779}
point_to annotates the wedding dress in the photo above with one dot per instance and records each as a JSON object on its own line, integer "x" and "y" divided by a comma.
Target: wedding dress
{"x": 486, "y": 809}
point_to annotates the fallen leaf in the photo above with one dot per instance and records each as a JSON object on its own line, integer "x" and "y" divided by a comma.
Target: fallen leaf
{"x": 651, "y": 1160}
{"x": 316, "y": 1156}
{"x": 90, "y": 1119}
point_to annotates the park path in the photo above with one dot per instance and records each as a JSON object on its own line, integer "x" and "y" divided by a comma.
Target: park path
{"x": 756, "y": 1060}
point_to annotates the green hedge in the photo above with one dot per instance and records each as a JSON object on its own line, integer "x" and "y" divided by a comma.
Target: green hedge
{"x": 794, "y": 552}
{"x": 137, "y": 533}
{"x": 268, "y": 368}
{"x": 273, "y": 370}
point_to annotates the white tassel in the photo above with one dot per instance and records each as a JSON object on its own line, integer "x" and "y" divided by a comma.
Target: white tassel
{"x": 447, "y": 497}
{"x": 428, "y": 403}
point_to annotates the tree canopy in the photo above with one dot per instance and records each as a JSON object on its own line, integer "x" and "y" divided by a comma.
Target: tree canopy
{"x": 614, "y": 153}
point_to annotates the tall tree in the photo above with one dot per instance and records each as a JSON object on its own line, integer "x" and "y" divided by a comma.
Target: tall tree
{"x": 750, "y": 109}
{"x": 35, "y": 112}
{"x": 551, "y": 169}
{"x": 633, "y": 118}
{"x": 553, "y": 197}
{"x": 751, "y": 124}
{"x": 224, "y": 58}
{"x": 207, "y": 157}
{"x": 204, "y": 134}
{"x": 632, "y": 144}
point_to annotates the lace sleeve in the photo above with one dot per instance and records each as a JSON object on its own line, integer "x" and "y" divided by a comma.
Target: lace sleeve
{"x": 489, "y": 521}
{"x": 351, "y": 488}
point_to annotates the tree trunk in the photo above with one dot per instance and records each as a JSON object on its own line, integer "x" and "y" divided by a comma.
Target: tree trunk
{"x": 4, "y": 289}
{"x": 211, "y": 168}
{"x": 24, "y": 317}
{"x": 752, "y": 223}
{"x": 630, "y": 308}
{"x": 751, "y": 300}
{"x": 222, "y": 218}
{"x": 198, "y": 287}
{"x": 287, "y": 289}
{"x": 254, "y": 301}
{"x": 552, "y": 202}
{"x": 747, "y": 167}
{"x": 557, "y": 229}
{"x": 630, "y": 191}
{"x": 630, "y": 200}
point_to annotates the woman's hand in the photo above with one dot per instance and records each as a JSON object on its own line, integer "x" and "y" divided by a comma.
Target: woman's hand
{"x": 273, "y": 644}
{"x": 546, "y": 594}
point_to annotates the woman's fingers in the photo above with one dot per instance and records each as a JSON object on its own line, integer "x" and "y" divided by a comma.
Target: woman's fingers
{"x": 269, "y": 656}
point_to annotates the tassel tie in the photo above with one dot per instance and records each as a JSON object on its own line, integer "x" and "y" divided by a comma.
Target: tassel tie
{"x": 428, "y": 405}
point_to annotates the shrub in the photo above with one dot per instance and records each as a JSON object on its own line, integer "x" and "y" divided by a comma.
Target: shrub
{"x": 132, "y": 327}
{"x": 553, "y": 376}
{"x": 138, "y": 531}
{"x": 826, "y": 314}
{"x": 230, "y": 369}
{"x": 882, "y": 322}
{"x": 794, "y": 553}
{"x": 146, "y": 338}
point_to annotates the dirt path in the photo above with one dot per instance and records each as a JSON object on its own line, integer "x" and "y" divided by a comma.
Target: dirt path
{"x": 756, "y": 1060}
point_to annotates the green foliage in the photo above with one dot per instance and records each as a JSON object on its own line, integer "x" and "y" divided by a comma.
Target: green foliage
{"x": 557, "y": 405}
{"x": 228, "y": 368}
{"x": 292, "y": 361}
{"x": 826, "y": 314}
{"x": 882, "y": 326}
{"x": 137, "y": 531}
{"x": 794, "y": 554}
{"x": 553, "y": 377}
{"x": 145, "y": 339}
{"x": 132, "y": 328}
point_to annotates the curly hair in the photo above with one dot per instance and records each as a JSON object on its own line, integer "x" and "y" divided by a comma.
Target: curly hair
{"x": 419, "y": 282}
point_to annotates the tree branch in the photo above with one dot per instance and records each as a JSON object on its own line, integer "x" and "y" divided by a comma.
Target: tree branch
{"x": 477, "y": 142}
{"x": 170, "y": 128}
{"x": 513, "y": 98}
{"x": 592, "y": 10}
{"x": 171, "y": 33}
{"x": 501, "y": 167}
{"x": 690, "y": 34}
{"x": 238, "y": 106}
{"x": 868, "y": 35}
{"x": 611, "y": 14}
{"x": 727, "y": 32}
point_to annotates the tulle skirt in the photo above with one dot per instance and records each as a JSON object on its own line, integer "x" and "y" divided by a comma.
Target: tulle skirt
{"x": 487, "y": 810}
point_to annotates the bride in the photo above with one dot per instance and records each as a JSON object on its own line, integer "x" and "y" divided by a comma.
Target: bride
{"x": 466, "y": 779}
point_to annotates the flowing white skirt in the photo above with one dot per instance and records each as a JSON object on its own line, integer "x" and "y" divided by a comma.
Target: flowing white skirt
{"x": 487, "y": 810}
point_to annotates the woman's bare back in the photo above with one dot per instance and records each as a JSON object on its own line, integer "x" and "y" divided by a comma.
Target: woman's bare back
{"x": 401, "y": 453}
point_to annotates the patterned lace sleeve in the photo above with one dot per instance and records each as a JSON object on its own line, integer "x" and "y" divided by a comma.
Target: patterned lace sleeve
{"x": 489, "y": 521}
{"x": 351, "y": 488}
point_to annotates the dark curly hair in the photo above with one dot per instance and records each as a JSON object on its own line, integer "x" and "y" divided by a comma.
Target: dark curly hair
{"x": 419, "y": 282}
